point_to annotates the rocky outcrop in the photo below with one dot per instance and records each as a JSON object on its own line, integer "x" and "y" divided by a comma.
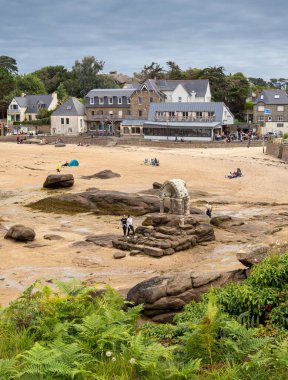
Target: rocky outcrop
{"x": 253, "y": 254}
{"x": 226, "y": 221}
{"x": 104, "y": 174}
{"x": 59, "y": 145}
{"x": 99, "y": 202}
{"x": 165, "y": 234}
{"x": 58, "y": 181}
{"x": 20, "y": 233}
{"x": 164, "y": 296}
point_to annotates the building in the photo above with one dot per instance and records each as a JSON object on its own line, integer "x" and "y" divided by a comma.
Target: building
{"x": 25, "y": 107}
{"x": 271, "y": 110}
{"x": 106, "y": 108}
{"x": 187, "y": 121}
{"x": 69, "y": 118}
{"x": 161, "y": 91}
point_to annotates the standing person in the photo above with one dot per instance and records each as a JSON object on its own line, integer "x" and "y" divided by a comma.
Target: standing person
{"x": 123, "y": 224}
{"x": 58, "y": 168}
{"x": 130, "y": 225}
{"x": 209, "y": 210}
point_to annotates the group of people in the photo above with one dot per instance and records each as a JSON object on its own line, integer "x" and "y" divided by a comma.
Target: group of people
{"x": 153, "y": 161}
{"x": 126, "y": 223}
{"x": 235, "y": 174}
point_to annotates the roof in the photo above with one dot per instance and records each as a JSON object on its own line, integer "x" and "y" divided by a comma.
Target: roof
{"x": 72, "y": 107}
{"x": 216, "y": 107}
{"x": 100, "y": 92}
{"x": 269, "y": 97}
{"x": 30, "y": 102}
{"x": 199, "y": 86}
{"x": 127, "y": 122}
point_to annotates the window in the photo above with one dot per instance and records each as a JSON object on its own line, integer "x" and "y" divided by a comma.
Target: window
{"x": 62, "y": 120}
{"x": 140, "y": 100}
{"x": 69, "y": 130}
{"x": 269, "y": 118}
{"x": 280, "y": 118}
{"x": 67, "y": 120}
{"x": 91, "y": 100}
{"x": 199, "y": 114}
{"x": 120, "y": 113}
{"x": 101, "y": 100}
{"x": 261, "y": 118}
{"x": 276, "y": 96}
{"x": 151, "y": 99}
{"x": 92, "y": 112}
{"x": 180, "y": 99}
{"x": 30, "y": 117}
{"x": 280, "y": 125}
{"x": 126, "y": 130}
{"x": 135, "y": 130}
{"x": 68, "y": 108}
{"x": 119, "y": 100}
{"x": 185, "y": 115}
{"x": 139, "y": 113}
{"x": 262, "y": 96}
{"x": 280, "y": 108}
{"x": 111, "y": 100}
{"x": 128, "y": 112}
{"x": 110, "y": 113}
{"x": 260, "y": 108}
{"x": 128, "y": 100}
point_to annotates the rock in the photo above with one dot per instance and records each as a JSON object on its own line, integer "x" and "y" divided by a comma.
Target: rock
{"x": 119, "y": 255}
{"x": 253, "y": 254}
{"x": 82, "y": 243}
{"x": 104, "y": 240}
{"x": 59, "y": 145}
{"x": 104, "y": 174}
{"x": 195, "y": 210}
{"x": 155, "y": 252}
{"x": 226, "y": 221}
{"x": 157, "y": 185}
{"x": 100, "y": 202}
{"x": 53, "y": 237}
{"x": 58, "y": 181}
{"x": 20, "y": 233}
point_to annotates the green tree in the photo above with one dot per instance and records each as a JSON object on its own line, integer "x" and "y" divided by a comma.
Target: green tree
{"x": 238, "y": 89}
{"x": 30, "y": 84}
{"x": 174, "y": 72}
{"x": 7, "y": 86}
{"x": 9, "y": 64}
{"x": 62, "y": 94}
{"x": 105, "y": 81}
{"x": 152, "y": 71}
{"x": 86, "y": 71}
{"x": 43, "y": 113}
{"x": 52, "y": 76}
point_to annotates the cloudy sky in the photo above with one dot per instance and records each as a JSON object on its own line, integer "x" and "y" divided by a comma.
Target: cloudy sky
{"x": 240, "y": 35}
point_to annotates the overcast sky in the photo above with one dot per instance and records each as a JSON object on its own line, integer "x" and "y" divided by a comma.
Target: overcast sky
{"x": 240, "y": 35}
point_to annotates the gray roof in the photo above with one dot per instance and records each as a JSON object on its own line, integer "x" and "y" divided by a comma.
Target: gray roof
{"x": 100, "y": 92}
{"x": 31, "y": 102}
{"x": 216, "y": 107}
{"x": 72, "y": 107}
{"x": 199, "y": 86}
{"x": 132, "y": 122}
{"x": 269, "y": 97}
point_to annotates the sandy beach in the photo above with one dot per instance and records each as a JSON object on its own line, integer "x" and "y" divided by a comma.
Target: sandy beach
{"x": 260, "y": 196}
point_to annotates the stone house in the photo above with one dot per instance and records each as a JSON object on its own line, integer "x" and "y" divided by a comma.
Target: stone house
{"x": 198, "y": 121}
{"x": 25, "y": 107}
{"x": 106, "y": 108}
{"x": 69, "y": 118}
{"x": 270, "y": 109}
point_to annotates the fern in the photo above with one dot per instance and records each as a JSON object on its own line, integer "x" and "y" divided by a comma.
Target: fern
{"x": 7, "y": 369}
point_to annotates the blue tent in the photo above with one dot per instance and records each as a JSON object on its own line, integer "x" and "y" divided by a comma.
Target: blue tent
{"x": 73, "y": 163}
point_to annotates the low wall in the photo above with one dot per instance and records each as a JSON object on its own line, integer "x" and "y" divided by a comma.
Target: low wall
{"x": 274, "y": 149}
{"x": 285, "y": 153}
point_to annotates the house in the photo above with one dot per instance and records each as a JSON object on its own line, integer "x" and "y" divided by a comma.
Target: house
{"x": 106, "y": 108}
{"x": 26, "y": 107}
{"x": 271, "y": 110}
{"x": 69, "y": 118}
{"x": 198, "y": 121}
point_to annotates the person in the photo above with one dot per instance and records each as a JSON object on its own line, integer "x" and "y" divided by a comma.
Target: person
{"x": 58, "y": 168}
{"x": 66, "y": 164}
{"x": 18, "y": 139}
{"x": 123, "y": 224}
{"x": 130, "y": 226}
{"x": 209, "y": 210}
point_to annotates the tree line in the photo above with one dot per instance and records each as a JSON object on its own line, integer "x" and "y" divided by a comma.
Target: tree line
{"x": 86, "y": 74}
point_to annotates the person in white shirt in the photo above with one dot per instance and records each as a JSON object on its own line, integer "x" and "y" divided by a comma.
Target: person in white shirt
{"x": 130, "y": 225}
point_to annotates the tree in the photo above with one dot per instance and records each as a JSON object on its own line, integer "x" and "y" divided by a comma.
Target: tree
{"x": 238, "y": 90}
{"x": 30, "y": 84}
{"x": 8, "y": 84}
{"x": 217, "y": 80}
{"x": 174, "y": 72}
{"x": 62, "y": 94}
{"x": 52, "y": 76}
{"x": 258, "y": 82}
{"x": 86, "y": 71}
{"x": 106, "y": 81}
{"x": 9, "y": 64}
{"x": 152, "y": 71}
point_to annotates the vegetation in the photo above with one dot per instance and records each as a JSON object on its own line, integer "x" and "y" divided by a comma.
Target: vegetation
{"x": 79, "y": 332}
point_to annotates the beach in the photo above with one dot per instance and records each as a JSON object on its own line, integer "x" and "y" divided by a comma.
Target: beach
{"x": 260, "y": 196}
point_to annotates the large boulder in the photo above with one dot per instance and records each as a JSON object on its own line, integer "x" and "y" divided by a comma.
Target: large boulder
{"x": 58, "y": 181}
{"x": 20, "y": 233}
{"x": 104, "y": 174}
{"x": 253, "y": 254}
{"x": 100, "y": 202}
{"x": 163, "y": 296}
{"x": 226, "y": 221}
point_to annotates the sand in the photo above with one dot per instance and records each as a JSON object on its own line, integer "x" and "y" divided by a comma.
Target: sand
{"x": 24, "y": 168}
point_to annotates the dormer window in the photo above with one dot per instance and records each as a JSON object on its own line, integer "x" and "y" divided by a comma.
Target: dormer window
{"x": 276, "y": 96}
{"x": 119, "y": 100}
{"x": 111, "y": 100}
{"x": 128, "y": 100}
{"x": 101, "y": 100}
{"x": 179, "y": 99}
{"x": 261, "y": 96}
{"x": 91, "y": 100}
{"x": 68, "y": 108}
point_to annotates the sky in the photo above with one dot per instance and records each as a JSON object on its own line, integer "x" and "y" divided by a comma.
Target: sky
{"x": 240, "y": 35}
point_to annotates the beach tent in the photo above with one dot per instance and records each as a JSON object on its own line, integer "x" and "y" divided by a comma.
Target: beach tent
{"x": 73, "y": 163}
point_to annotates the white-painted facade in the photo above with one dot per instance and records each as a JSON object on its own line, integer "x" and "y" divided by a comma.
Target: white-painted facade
{"x": 180, "y": 94}
{"x": 68, "y": 125}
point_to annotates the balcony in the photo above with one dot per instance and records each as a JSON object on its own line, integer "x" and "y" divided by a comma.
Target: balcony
{"x": 185, "y": 118}
{"x": 13, "y": 111}
{"x": 112, "y": 117}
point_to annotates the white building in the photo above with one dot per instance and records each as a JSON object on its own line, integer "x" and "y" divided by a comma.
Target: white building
{"x": 69, "y": 118}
